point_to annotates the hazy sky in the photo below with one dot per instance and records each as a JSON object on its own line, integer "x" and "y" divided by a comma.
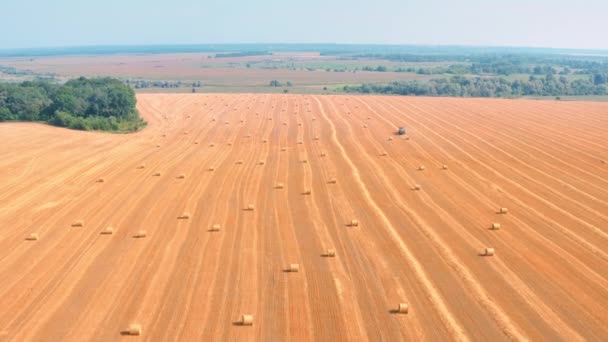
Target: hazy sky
{"x": 543, "y": 23}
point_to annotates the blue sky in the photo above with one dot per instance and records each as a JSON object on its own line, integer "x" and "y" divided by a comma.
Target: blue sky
{"x": 542, "y": 23}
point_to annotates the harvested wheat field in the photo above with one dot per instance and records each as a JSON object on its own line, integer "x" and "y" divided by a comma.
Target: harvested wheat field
{"x": 349, "y": 235}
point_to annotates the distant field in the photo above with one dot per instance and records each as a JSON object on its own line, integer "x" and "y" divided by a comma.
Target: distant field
{"x": 213, "y": 71}
{"x": 309, "y": 166}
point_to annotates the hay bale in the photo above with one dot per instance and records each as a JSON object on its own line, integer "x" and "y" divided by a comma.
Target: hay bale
{"x": 384, "y": 154}
{"x": 211, "y": 145}
{"x": 141, "y": 166}
{"x": 33, "y": 237}
{"x": 133, "y": 329}
{"x": 444, "y": 167}
{"x": 304, "y": 161}
{"x": 293, "y": 267}
{"x": 315, "y": 138}
{"x": 353, "y": 223}
{"x": 417, "y": 187}
{"x": 211, "y": 169}
{"x": 283, "y": 149}
{"x": 239, "y": 162}
{"x": 364, "y": 125}
{"x": 503, "y": 211}
{"x": 261, "y": 162}
{"x": 421, "y": 168}
{"x": 181, "y": 176}
{"x": 226, "y": 123}
{"x": 264, "y": 141}
{"x": 196, "y": 143}
{"x": 330, "y": 253}
{"x": 250, "y": 207}
{"x": 108, "y": 231}
{"x": 333, "y": 181}
{"x": 229, "y": 144}
{"x": 307, "y": 192}
{"x": 489, "y": 251}
{"x": 101, "y": 180}
{"x": 390, "y": 139}
{"x": 403, "y": 308}
{"x": 156, "y": 174}
{"x": 78, "y": 223}
{"x": 246, "y": 320}
{"x": 279, "y": 186}
{"x": 405, "y": 137}
{"x": 140, "y": 234}
{"x": 323, "y": 154}
{"x": 215, "y": 228}
{"x": 184, "y": 216}
{"x": 185, "y": 132}
{"x": 157, "y": 145}
{"x": 495, "y": 226}
{"x": 300, "y": 142}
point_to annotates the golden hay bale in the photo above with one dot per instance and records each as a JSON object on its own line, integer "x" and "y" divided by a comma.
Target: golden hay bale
{"x": 333, "y": 181}
{"x": 300, "y": 142}
{"x": 353, "y": 223}
{"x": 403, "y": 308}
{"x": 247, "y": 135}
{"x": 185, "y": 132}
{"x": 184, "y": 216}
{"x": 250, "y": 207}
{"x": 304, "y": 161}
{"x": 101, "y": 180}
{"x": 133, "y": 329}
{"x": 313, "y": 118}
{"x": 365, "y": 126}
{"x": 239, "y": 162}
{"x": 330, "y": 253}
{"x": 293, "y": 267}
{"x": 141, "y": 166}
{"x": 246, "y": 320}
{"x": 215, "y": 228}
{"x": 444, "y": 167}
{"x": 284, "y": 123}
{"x": 495, "y": 226}
{"x": 417, "y": 187}
{"x": 156, "y": 174}
{"x": 226, "y": 123}
{"x": 279, "y": 186}
{"x": 283, "y": 149}
{"x": 323, "y": 154}
{"x": 307, "y": 192}
{"x": 264, "y": 141}
{"x": 196, "y": 143}
{"x": 33, "y": 237}
{"x": 108, "y": 231}
{"x": 300, "y": 124}
{"x": 390, "y": 139}
{"x": 78, "y": 223}
{"x": 421, "y": 167}
{"x": 384, "y": 154}
{"x": 181, "y": 176}
{"x": 140, "y": 234}
{"x": 211, "y": 169}
{"x": 489, "y": 251}
{"x": 229, "y": 144}
{"x": 315, "y": 138}
{"x": 211, "y": 145}
{"x": 157, "y": 145}
{"x": 503, "y": 210}
{"x": 261, "y": 162}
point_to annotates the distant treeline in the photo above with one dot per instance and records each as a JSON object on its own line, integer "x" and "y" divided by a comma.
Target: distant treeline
{"x": 104, "y": 104}
{"x": 461, "y": 86}
{"x": 242, "y": 54}
{"x": 142, "y": 84}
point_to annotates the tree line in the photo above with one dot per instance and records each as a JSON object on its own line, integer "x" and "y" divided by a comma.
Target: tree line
{"x": 460, "y": 86}
{"x": 103, "y": 104}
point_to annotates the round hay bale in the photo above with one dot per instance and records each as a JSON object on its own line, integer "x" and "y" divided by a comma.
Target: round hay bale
{"x": 261, "y": 162}
{"x": 307, "y": 192}
{"x": 246, "y": 320}
{"x": 133, "y": 329}
{"x": 283, "y": 149}
{"x": 293, "y": 267}
{"x": 417, "y": 187}
{"x": 211, "y": 168}
{"x": 250, "y": 207}
{"x": 141, "y": 166}
{"x": 184, "y": 216}
{"x": 333, "y": 181}
{"x": 108, "y": 231}
{"x": 444, "y": 167}
{"x": 181, "y": 176}
{"x": 279, "y": 186}
{"x": 330, "y": 253}
{"x": 239, "y": 162}
{"x": 353, "y": 223}
{"x": 140, "y": 234}
{"x": 495, "y": 226}
{"x": 421, "y": 168}
{"x": 403, "y": 308}
{"x": 503, "y": 211}
{"x": 33, "y": 237}
{"x": 78, "y": 223}
{"x": 156, "y": 174}
{"x": 384, "y": 154}
{"x": 215, "y": 228}
{"x": 101, "y": 180}
{"x": 489, "y": 251}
